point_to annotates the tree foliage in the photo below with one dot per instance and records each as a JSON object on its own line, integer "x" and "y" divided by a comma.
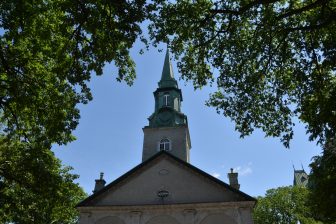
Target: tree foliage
{"x": 284, "y": 205}
{"x": 48, "y": 51}
{"x": 35, "y": 187}
{"x": 272, "y": 60}
{"x": 322, "y": 181}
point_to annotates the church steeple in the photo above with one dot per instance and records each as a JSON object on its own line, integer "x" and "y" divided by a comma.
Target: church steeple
{"x": 168, "y": 98}
{"x": 168, "y": 126}
{"x": 167, "y": 77}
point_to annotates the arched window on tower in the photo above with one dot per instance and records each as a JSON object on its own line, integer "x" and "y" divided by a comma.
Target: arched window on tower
{"x": 164, "y": 144}
{"x": 166, "y": 99}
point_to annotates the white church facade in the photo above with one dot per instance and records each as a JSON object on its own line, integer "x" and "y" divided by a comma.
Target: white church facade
{"x": 165, "y": 188}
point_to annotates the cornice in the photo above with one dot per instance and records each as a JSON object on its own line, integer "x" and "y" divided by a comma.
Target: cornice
{"x": 144, "y": 208}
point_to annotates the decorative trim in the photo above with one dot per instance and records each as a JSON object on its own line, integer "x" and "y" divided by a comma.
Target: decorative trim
{"x": 190, "y": 206}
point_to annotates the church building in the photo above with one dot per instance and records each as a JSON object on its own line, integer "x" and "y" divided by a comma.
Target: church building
{"x": 300, "y": 178}
{"x": 165, "y": 188}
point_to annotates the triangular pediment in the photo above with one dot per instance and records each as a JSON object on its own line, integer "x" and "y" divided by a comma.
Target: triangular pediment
{"x": 165, "y": 179}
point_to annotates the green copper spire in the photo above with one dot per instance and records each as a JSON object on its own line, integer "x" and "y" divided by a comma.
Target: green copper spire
{"x": 167, "y": 78}
{"x": 168, "y": 98}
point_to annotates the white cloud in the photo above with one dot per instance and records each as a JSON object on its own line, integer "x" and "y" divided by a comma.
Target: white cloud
{"x": 237, "y": 169}
{"x": 244, "y": 170}
{"x": 217, "y": 175}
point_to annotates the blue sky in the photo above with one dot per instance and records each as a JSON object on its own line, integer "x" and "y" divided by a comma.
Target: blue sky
{"x": 110, "y": 137}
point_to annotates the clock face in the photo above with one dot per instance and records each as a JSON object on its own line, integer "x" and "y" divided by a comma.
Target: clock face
{"x": 165, "y": 116}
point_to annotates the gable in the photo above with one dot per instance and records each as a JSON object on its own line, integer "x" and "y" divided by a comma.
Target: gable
{"x": 165, "y": 174}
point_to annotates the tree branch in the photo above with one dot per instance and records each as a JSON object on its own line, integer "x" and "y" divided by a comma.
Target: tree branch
{"x": 243, "y": 8}
{"x": 302, "y": 9}
{"x": 328, "y": 21}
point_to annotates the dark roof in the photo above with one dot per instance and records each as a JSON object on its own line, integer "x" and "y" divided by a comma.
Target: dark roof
{"x": 86, "y": 202}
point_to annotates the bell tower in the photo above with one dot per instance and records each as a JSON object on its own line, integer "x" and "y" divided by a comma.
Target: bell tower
{"x": 168, "y": 126}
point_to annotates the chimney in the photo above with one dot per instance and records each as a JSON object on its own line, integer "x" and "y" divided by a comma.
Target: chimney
{"x": 233, "y": 179}
{"x": 100, "y": 183}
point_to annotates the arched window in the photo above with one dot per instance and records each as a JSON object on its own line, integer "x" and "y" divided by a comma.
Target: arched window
{"x": 164, "y": 144}
{"x": 166, "y": 99}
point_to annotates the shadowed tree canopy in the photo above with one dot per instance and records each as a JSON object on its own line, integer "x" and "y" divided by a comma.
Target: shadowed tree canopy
{"x": 322, "y": 181}
{"x": 48, "y": 51}
{"x": 272, "y": 60}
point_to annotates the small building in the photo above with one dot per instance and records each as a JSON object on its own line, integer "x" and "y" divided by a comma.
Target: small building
{"x": 165, "y": 188}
